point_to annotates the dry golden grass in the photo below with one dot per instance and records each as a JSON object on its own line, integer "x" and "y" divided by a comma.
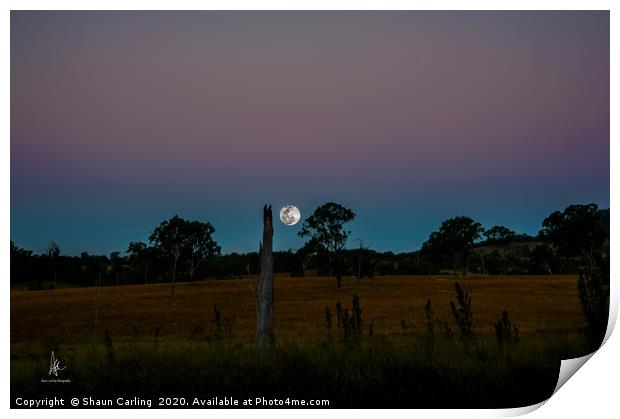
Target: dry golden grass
{"x": 540, "y": 306}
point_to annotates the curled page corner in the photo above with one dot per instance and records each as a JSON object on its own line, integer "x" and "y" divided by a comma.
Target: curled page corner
{"x": 521, "y": 411}
{"x": 568, "y": 368}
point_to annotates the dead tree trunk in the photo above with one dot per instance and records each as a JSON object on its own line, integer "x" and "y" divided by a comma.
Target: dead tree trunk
{"x": 264, "y": 287}
{"x": 484, "y": 269}
{"x": 97, "y": 304}
{"x": 174, "y": 269}
{"x": 337, "y": 269}
{"x": 146, "y": 272}
{"x": 191, "y": 270}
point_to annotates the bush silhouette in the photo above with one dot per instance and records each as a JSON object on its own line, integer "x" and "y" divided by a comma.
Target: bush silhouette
{"x": 462, "y": 314}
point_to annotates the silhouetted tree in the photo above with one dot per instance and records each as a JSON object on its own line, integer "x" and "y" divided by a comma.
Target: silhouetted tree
{"x": 53, "y": 252}
{"x": 455, "y": 237}
{"x": 21, "y": 263}
{"x": 326, "y": 227}
{"x": 168, "y": 238}
{"x": 180, "y": 238}
{"x": 543, "y": 256}
{"x": 304, "y": 256}
{"x": 579, "y": 230}
{"x": 116, "y": 262}
{"x": 18, "y": 252}
{"x": 142, "y": 254}
{"x": 499, "y": 234}
{"x": 362, "y": 253}
{"x": 198, "y": 244}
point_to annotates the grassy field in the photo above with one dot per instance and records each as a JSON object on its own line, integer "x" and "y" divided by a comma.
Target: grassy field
{"x": 150, "y": 343}
{"x": 540, "y": 306}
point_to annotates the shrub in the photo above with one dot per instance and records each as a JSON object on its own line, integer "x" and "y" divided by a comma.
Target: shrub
{"x": 505, "y": 332}
{"x": 594, "y": 296}
{"x": 350, "y": 324}
{"x": 328, "y": 318}
{"x": 462, "y": 314}
{"x": 339, "y": 313}
{"x": 447, "y": 330}
{"x": 109, "y": 346}
{"x": 430, "y": 326}
{"x": 403, "y": 326}
{"x": 217, "y": 319}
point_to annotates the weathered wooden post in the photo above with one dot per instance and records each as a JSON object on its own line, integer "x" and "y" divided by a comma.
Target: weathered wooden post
{"x": 264, "y": 287}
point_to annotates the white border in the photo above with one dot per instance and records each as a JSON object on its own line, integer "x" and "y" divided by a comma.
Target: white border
{"x": 592, "y": 393}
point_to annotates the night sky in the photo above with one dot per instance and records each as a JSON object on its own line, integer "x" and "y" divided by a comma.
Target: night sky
{"x": 120, "y": 120}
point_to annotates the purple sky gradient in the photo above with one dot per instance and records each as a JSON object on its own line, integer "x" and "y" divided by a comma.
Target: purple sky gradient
{"x": 122, "y": 119}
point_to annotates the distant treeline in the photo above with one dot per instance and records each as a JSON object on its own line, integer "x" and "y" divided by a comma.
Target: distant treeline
{"x": 184, "y": 250}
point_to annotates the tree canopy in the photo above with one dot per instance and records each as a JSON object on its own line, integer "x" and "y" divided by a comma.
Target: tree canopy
{"x": 572, "y": 240}
{"x": 325, "y": 227}
{"x": 579, "y": 230}
{"x": 182, "y": 239}
{"x": 455, "y": 238}
{"x": 499, "y": 234}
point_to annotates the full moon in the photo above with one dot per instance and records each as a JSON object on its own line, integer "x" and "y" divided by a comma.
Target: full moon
{"x": 290, "y": 215}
